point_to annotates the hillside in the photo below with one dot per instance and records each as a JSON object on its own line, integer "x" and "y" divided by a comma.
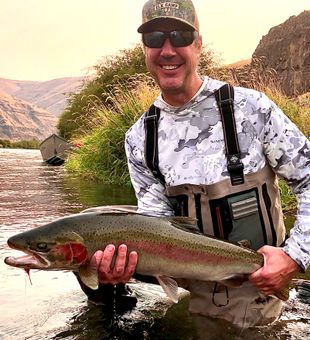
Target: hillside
{"x": 51, "y": 95}
{"x": 20, "y": 120}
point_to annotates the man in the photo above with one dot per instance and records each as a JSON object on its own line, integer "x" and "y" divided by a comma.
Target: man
{"x": 194, "y": 167}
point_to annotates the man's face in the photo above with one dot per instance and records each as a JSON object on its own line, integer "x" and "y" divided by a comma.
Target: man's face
{"x": 174, "y": 68}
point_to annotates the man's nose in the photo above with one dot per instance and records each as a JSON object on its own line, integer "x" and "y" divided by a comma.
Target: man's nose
{"x": 167, "y": 48}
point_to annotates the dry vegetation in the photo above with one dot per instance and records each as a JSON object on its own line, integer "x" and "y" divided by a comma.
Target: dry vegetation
{"x": 102, "y": 155}
{"x": 255, "y": 75}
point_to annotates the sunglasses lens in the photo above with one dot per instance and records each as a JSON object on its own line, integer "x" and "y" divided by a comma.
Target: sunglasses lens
{"x": 177, "y": 38}
{"x": 181, "y": 38}
{"x": 154, "y": 39}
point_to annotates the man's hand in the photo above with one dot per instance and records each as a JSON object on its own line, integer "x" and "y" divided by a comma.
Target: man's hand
{"x": 120, "y": 272}
{"x": 277, "y": 272}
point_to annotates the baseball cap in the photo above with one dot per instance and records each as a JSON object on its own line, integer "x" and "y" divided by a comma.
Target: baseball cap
{"x": 180, "y": 10}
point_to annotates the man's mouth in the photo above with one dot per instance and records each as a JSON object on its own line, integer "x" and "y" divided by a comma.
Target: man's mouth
{"x": 170, "y": 67}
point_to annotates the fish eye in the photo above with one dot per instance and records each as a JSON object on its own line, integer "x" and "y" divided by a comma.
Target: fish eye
{"x": 42, "y": 246}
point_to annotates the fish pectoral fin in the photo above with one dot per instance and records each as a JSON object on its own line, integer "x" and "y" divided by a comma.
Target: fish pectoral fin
{"x": 89, "y": 275}
{"x": 234, "y": 281}
{"x": 169, "y": 286}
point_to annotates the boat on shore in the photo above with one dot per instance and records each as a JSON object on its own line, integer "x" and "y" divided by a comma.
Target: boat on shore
{"x": 54, "y": 149}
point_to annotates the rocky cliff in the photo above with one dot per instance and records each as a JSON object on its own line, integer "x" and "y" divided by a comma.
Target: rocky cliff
{"x": 51, "y": 95}
{"x": 29, "y": 109}
{"x": 20, "y": 120}
{"x": 286, "y": 49}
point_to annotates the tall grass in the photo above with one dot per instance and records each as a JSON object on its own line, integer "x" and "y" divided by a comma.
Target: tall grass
{"x": 255, "y": 75}
{"x": 102, "y": 155}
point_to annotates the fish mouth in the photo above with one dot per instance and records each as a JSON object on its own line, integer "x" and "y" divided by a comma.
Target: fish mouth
{"x": 28, "y": 261}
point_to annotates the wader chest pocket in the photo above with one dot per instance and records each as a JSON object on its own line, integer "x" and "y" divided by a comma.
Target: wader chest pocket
{"x": 238, "y": 217}
{"x": 243, "y": 208}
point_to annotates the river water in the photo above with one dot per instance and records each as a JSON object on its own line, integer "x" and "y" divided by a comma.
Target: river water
{"x": 52, "y": 306}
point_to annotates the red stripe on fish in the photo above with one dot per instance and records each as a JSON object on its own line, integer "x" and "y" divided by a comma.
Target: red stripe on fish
{"x": 177, "y": 253}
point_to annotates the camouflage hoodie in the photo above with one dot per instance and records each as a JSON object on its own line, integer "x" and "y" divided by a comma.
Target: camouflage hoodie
{"x": 192, "y": 150}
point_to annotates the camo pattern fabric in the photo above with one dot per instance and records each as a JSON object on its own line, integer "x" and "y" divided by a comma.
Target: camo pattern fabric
{"x": 182, "y": 9}
{"x": 192, "y": 150}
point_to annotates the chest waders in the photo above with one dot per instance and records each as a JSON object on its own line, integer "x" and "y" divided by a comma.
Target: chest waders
{"x": 244, "y": 207}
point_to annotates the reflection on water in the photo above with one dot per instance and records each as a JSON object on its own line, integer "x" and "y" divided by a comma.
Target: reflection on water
{"x": 54, "y": 307}
{"x": 33, "y": 192}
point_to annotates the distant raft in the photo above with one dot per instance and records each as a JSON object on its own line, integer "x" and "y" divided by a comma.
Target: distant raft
{"x": 54, "y": 150}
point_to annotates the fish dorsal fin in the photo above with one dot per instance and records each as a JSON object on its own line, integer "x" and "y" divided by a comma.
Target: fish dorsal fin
{"x": 89, "y": 274}
{"x": 169, "y": 286}
{"x": 112, "y": 209}
{"x": 185, "y": 223}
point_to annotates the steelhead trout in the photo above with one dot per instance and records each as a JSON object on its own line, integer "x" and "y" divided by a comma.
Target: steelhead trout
{"x": 167, "y": 248}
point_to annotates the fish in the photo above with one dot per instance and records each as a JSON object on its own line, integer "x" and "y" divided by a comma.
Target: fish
{"x": 169, "y": 248}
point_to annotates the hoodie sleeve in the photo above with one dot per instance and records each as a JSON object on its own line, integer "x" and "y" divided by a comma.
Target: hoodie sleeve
{"x": 149, "y": 191}
{"x": 288, "y": 152}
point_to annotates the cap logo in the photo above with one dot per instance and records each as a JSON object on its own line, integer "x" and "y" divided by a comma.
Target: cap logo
{"x": 182, "y": 11}
{"x": 166, "y": 6}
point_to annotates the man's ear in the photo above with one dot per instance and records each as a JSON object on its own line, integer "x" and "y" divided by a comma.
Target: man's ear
{"x": 199, "y": 43}
{"x": 143, "y": 47}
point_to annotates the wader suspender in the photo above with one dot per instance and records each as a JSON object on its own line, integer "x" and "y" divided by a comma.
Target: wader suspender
{"x": 225, "y": 99}
{"x": 151, "y": 142}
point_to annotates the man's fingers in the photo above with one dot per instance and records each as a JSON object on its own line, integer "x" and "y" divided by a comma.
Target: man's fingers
{"x": 120, "y": 261}
{"x": 255, "y": 277}
{"x": 119, "y": 272}
{"x": 96, "y": 258}
{"x": 106, "y": 259}
{"x": 132, "y": 264}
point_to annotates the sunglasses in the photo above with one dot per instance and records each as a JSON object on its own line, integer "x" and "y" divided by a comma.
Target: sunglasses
{"x": 177, "y": 38}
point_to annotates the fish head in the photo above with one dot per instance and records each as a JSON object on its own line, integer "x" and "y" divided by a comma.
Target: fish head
{"x": 47, "y": 249}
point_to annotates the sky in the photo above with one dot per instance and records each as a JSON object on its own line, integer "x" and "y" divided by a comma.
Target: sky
{"x": 48, "y": 39}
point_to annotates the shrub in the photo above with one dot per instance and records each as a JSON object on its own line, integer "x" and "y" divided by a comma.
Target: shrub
{"x": 102, "y": 155}
{"x": 111, "y": 72}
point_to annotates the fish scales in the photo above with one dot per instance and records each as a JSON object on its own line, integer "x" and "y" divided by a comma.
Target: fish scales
{"x": 164, "y": 247}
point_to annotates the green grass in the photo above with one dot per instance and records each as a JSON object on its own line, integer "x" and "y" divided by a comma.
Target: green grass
{"x": 288, "y": 199}
{"x": 23, "y": 144}
{"x": 102, "y": 156}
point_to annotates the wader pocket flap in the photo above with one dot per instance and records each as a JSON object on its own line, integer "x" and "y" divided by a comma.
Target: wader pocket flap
{"x": 243, "y": 208}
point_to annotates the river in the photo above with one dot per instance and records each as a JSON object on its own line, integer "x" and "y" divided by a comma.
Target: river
{"x": 52, "y": 305}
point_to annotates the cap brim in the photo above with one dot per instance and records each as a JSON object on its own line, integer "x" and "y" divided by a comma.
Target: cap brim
{"x": 149, "y": 25}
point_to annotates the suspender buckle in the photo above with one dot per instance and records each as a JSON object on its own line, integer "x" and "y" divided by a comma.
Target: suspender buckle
{"x": 235, "y": 168}
{"x": 150, "y": 118}
{"x": 227, "y": 102}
